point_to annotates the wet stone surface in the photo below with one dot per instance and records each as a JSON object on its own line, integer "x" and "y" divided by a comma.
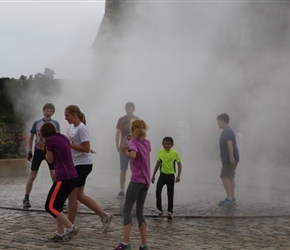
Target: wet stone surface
{"x": 260, "y": 220}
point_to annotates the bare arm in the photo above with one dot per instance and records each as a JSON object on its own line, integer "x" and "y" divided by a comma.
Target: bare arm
{"x": 30, "y": 142}
{"x": 84, "y": 147}
{"x": 231, "y": 152}
{"x": 131, "y": 154}
{"x": 155, "y": 171}
{"x": 179, "y": 172}
{"x": 117, "y": 140}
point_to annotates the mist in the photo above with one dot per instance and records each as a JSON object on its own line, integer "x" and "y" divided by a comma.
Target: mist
{"x": 182, "y": 64}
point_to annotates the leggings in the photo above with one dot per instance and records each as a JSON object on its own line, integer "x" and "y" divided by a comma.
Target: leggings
{"x": 57, "y": 196}
{"x": 136, "y": 192}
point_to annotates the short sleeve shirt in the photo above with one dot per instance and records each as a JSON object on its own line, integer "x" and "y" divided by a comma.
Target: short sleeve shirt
{"x": 37, "y": 126}
{"x": 140, "y": 166}
{"x": 59, "y": 145}
{"x": 123, "y": 126}
{"x": 227, "y": 135}
{"x": 78, "y": 135}
{"x": 168, "y": 160}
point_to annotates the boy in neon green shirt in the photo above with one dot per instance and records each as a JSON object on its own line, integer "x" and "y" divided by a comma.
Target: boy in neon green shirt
{"x": 167, "y": 160}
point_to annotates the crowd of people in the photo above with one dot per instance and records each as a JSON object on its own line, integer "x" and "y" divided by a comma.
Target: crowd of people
{"x": 70, "y": 162}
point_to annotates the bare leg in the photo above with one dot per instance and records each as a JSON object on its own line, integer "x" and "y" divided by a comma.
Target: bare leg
{"x": 127, "y": 231}
{"x": 89, "y": 202}
{"x": 62, "y": 221}
{"x": 30, "y": 181}
{"x": 72, "y": 205}
{"x": 143, "y": 234}
{"x": 228, "y": 188}
{"x": 233, "y": 185}
{"x": 122, "y": 179}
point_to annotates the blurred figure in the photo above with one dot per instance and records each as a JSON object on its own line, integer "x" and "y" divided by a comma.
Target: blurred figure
{"x": 229, "y": 155}
{"x": 121, "y": 138}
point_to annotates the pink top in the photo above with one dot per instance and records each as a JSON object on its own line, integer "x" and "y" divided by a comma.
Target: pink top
{"x": 140, "y": 166}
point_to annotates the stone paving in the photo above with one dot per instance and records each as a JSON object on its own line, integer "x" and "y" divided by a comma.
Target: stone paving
{"x": 258, "y": 221}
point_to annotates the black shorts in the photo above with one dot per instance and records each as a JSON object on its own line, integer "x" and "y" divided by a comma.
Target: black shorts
{"x": 38, "y": 157}
{"x": 83, "y": 172}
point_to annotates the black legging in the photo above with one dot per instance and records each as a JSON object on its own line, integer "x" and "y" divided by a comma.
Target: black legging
{"x": 168, "y": 180}
{"x": 135, "y": 192}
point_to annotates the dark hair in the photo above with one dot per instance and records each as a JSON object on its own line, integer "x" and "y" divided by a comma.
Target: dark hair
{"x": 167, "y": 138}
{"x": 47, "y": 129}
{"x": 225, "y": 117}
{"x": 74, "y": 109}
{"x": 130, "y": 105}
{"x": 48, "y": 106}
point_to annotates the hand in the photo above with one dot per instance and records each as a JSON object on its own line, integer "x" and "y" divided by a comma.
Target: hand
{"x": 177, "y": 179}
{"x": 124, "y": 148}
{"x": 233, "y": 162}
{"x": 152, "y": 180}
{"x": 92, "y": 151}
{"x": 29, "y": 156}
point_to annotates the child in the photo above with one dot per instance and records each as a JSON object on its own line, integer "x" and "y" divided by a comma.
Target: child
{"x": 167, "y": 157}
{"x": 229, "y": 157}
{"x": 81, "y": 153}
{"x": 48, "y": 111}
{"x": 57, "y": 151}
{"x": 139, "y": 153}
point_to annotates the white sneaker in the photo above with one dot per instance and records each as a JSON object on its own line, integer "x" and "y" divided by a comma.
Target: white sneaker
{"x": 106, "y": 220}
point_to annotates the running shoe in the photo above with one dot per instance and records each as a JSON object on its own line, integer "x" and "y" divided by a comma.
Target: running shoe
{"x": 70, "y": 234}
{"x": 158, "y": 213}
{"x": 120, "y": 195}
{"x": 56, "y": 238}
{"x": 170, "y": 216}
{"x": 226, "y": 202}
{"x": 26, "y": 203}
{"x": 144, "y": 248}
{"x": 123, "y": 247}
{"x": 106, "y": 220}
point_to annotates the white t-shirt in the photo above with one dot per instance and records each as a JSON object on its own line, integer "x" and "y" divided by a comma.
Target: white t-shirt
{"x": 78, "y": 135}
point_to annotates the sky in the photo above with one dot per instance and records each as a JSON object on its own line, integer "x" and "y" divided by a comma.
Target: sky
{"x": 48, "y": 34}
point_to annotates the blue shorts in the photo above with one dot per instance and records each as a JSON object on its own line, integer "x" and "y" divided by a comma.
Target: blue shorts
{"x": 124, "y": 161}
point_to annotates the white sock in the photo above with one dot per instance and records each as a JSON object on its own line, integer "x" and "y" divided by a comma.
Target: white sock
{"x": 71, "y": 228}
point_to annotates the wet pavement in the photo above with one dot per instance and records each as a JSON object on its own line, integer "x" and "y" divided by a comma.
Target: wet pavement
{"x": 259, "y": 220}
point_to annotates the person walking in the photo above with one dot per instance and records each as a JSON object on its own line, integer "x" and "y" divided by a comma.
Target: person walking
{"x": 38, "y": 156}
{"x": 229, "y": 155}
{"x": 139, "y": 152}
{"x": 167, "y": 160}
{"x": 81, "y": 154}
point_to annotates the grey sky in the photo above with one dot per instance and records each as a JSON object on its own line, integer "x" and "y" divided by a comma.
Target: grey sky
{"x": 54, "y": 34}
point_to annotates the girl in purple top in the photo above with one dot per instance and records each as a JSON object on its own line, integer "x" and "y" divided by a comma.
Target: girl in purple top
{"x": 57, "y": 150}
{"x": 139, "y": 153}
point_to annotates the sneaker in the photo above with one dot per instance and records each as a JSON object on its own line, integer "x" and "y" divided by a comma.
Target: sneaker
{"x": 120, "y": 195}
{"x": 170, "y": 216}
{"x": 106, "y": 220}
{"x": 144, "y": 248}
{"x": 26, "y": 203}
{"x": 226, "y": 202}
{"x": 123, "y": 247}
{"x": 158, "y": 213}
{"x": 56, "y": 238}
{"x": 70, "y": 234}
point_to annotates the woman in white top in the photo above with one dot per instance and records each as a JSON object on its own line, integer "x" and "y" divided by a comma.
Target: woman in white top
{"x": 81, "y": 154}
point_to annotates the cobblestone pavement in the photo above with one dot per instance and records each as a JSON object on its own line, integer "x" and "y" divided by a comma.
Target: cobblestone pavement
{"x": 258, "y": 221}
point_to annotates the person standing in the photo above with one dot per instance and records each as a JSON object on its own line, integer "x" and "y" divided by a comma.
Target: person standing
{"x": 139, "y": 152}
{"x": 38, "y": 156}
{"x": 57, "y": 150}
{"x": 167, "y": 160}
{"x": 229, "y": 155}
{"x": 123, "y": 130}
{"x": 81, "y": 154}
